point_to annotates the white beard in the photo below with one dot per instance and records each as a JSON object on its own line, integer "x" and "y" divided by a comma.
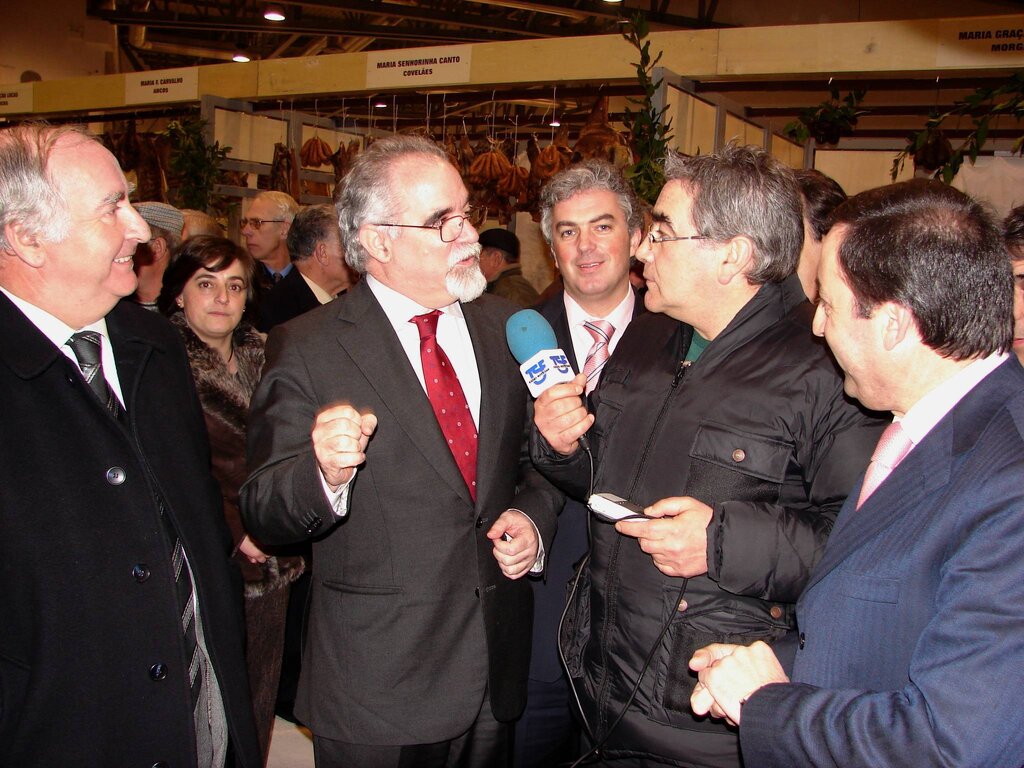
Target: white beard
{"x": 465, "y": 283}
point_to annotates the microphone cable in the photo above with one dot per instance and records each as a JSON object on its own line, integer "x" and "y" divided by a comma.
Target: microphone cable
{"x": 595, "y": 751}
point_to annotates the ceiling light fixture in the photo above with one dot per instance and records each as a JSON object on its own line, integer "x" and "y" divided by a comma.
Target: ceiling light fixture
{"x": 240, "y": 56}
{"x": 554, "y": 122}
{"x": 380, "y": 104}
{"x": 274, "y": 12}
{"x": 613, "y": 2}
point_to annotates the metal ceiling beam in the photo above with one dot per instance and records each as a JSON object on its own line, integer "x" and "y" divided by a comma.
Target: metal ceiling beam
{"x": 284, "y": 46}
{"x": 208, "y": 51}
{"x": 432, "y": 16}
{"x": 847, "y": 83}
{"x": 315, "y": 27}
{"x": 595, "y": 8}
{"x": 570, "y": 9}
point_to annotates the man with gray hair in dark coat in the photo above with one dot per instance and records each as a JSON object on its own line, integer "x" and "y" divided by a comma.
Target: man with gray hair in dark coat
{"x": 724, "y": 419}
{"x": 122, "y": 639}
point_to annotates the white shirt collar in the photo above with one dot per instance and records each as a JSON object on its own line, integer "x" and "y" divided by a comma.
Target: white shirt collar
{"x": 321, "y": 295}
{"x": 52, "y": 328}
{"x": 575, "y": 316}
{"x": 930, "y": 409}
{"x": 400, "y": 308}
{"x": 58, "y": 332}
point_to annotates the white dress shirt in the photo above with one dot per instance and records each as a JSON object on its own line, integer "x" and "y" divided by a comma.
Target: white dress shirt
{"x": 582, "y": 341}
{"x": 453, "y": 337}
{"x": 930, "y": 409}
{"x": 58, "y": 332}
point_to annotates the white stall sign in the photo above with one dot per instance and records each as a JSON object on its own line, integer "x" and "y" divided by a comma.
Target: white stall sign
{"x": 15, "y": 98}
{"x": 161, "y": 85}
{"x": 418, "y": 66}
{"x": 981, "y": 42}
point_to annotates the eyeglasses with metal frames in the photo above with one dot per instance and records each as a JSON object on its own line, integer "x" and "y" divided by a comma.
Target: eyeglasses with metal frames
{"x": 257, "y": 224}
{"x": 449, "y": 228}
{"x": 654, "y": 238}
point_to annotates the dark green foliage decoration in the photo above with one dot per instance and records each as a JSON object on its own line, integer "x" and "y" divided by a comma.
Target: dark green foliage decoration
{"x": 985, "y": 107}
{"x": 649, "y": 131}
{"x": 827, "y": 122}
{"x": 194, "y": 165}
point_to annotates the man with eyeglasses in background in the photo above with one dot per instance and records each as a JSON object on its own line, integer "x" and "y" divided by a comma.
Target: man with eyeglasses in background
{"x": 265, "y": 231}
{"x": 416, "y": 487}
{"x": 723, "y": 416}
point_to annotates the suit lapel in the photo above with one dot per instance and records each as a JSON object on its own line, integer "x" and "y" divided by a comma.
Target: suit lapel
{"x": 553, "y": 311}
{"x": 130, "y": 355}
{"x": 923, "y": 473}
{"x": 370, "y": 341}
{"x": 564, "y": 337}
{"x": 492, "y": 362}
{"x": 23, "y": 347}
{"x": 920, "y": 476}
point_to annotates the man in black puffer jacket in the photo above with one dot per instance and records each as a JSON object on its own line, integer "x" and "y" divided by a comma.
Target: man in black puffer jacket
{"x": 723, "y": 415}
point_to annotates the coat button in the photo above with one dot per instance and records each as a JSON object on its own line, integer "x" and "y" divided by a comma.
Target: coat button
{"x": 479, "y": 522}
{"x": 739, "y": 455}
{"x": 775, "y": 611}
{"x": 116, "y": 475}
{"x": 803, "y": 640}
{"x": 140, "y": 572}
{"x": 161, "y": 764}
{"x": 476, "y": 591}
{"x": 158, "y": 671}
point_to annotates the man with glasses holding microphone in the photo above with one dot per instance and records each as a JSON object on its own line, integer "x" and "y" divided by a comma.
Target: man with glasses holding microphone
{"x": 416, "y": 486}
{"x": 723, "y": 417}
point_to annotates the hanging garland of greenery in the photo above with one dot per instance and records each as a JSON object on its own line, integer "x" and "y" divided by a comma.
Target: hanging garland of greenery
{"x": 649, "y": 131}
{"x": 985, "y": 107}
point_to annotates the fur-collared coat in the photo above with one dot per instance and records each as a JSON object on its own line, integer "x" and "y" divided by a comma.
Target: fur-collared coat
{"x": 225, "y": 401}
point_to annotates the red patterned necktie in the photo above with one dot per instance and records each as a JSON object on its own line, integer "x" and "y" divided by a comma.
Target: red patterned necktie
{"x": 447, "y": 399}
{"x": 601, "y": 331}
{"x": 892, "y": 446}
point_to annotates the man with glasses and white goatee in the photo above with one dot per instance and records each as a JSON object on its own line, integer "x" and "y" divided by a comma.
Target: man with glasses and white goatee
{"x": 723, "y": 417}
{"x": 416, "y": 487}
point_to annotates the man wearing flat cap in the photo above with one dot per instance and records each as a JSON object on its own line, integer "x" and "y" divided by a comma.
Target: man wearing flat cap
{"x": 499, "y": 261}
{"x": 151, "y": 259}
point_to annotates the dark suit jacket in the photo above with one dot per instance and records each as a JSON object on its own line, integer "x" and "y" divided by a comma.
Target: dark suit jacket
{"x": 410, "y": 618}
{"x": 87, "y": 588}
{"x": 571, "y": 540}
{"x": 289, "y": 298}
{"x": 911, "y": 650}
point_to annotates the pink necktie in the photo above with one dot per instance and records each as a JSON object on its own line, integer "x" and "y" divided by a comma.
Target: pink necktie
{"x": 892, "y": 446}
{"x": 447, "y": 399}
{"x": 601, "y": 331}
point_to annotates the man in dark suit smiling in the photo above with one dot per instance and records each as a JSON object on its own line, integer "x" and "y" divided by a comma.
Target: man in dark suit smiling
{"x": 416, "y": 481}
{"x": 122, "y": 639}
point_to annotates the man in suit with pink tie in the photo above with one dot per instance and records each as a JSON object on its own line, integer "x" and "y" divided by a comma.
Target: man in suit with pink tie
{"x": 908, "y": 649}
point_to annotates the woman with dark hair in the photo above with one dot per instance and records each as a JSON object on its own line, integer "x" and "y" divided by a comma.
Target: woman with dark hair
{"x": 206, "y": 290}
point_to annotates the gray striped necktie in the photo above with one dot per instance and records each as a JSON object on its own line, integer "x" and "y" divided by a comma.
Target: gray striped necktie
{"x": 601, "y": 331}
{"x": 86, "y": 346}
